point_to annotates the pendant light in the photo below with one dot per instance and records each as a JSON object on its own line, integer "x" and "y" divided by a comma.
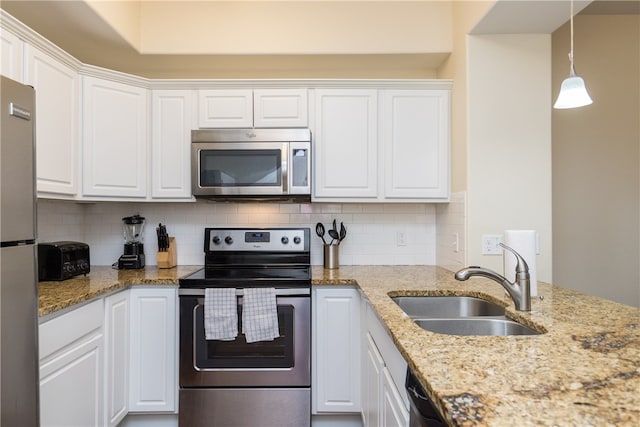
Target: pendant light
{"x": 573, "y": 92}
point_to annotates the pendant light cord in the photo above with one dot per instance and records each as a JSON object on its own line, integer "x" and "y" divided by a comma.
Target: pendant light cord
{"x": 572, "y": 71}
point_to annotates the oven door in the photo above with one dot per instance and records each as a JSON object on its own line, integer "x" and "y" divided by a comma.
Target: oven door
{"x": 285, "y": 361}
{"x": 239, "y": 168}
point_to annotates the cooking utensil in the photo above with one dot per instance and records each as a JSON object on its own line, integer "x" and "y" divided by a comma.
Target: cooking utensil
{"x": 343, "y": 233}
{"x": 333, "y": 233}
{"x": 320, "y": 232}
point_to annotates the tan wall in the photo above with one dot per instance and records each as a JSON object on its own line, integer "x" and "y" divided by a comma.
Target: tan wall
{"x": 465, "y": 15}
{"x": 596, "y": 158}
{"x": 123, "y": 16}
{"x": 509, "y": 142}
{"x": 267, "y": 27}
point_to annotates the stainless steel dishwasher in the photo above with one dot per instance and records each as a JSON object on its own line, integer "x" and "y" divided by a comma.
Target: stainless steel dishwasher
{"x": 423, "y": 413}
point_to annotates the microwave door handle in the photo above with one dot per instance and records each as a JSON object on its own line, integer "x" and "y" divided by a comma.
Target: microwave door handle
{"x": 285, "y": 168}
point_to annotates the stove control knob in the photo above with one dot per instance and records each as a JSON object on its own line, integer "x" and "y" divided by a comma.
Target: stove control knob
{"x": 228, "y": 240}
{"x": 297, "y": 240}
{"x": 284, "y": 240}
{"x": 216, "y": 240}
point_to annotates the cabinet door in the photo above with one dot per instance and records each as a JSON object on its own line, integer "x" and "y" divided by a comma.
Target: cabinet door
{"x": 71, "y": 386}
{"x": 71, "y": 368}
{"x": 154, "y": 324}
{"x": 171, "y": 143}
{"x": 372, "y": 385}
{"x": 57, "y": 105}
{"x": 415, "y": 141}
{"x": 225, "y": 108}
{"x": 336, "y": 363}
{"x": 345, "y": 141}
{"x": 10, "y": 56}
{"x": 394, "y": 413}
{"x": 274, "y": 108}
{"x": 114, "y": 139}
{"x": 116, "y": 349}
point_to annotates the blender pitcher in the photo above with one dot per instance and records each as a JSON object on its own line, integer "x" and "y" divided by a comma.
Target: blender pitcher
{"x": 133, "y": 257}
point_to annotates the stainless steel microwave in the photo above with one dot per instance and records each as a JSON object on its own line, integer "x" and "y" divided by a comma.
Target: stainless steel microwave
{"x": 251, "y": 163}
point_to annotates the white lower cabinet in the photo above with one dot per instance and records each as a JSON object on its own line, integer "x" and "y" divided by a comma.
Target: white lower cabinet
{"x": 384, "y": 369}
{"x": 116, "y": 350}
{"x": 154, "y": 349}
{"x": 71, "y": 368}
{"x": 336, "y": 350}
{"x": 111, "y": 357}
{"x": 394, "y": 413}
{"x": 372, "y": 368}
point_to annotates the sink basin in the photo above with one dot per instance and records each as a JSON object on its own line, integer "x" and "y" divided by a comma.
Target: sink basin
{"x": 475, "y": 326}
{"x": 420, "y": 307}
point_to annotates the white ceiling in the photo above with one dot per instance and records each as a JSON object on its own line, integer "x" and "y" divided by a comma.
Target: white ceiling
{"x": 527, "y": 16}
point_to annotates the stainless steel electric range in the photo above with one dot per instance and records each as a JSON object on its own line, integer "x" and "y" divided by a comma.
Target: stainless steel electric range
{"x": 236, "y": 383}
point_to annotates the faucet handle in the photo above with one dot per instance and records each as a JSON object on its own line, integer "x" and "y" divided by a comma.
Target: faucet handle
{"x": 521, "y": 264}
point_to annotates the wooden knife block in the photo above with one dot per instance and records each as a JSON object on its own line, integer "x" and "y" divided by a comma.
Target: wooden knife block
{"x": 168, "y": 259}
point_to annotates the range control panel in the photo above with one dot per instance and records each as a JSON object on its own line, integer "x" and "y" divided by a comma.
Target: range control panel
{"x": 260, "y": 239}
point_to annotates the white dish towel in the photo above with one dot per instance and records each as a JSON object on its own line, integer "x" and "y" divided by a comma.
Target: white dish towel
{"x": 260, "y": 314}
{"x": 220, "y": 314}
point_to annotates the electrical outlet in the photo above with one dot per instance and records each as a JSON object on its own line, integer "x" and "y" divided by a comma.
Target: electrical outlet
{"x": 401, "y": 238}
{"x": 456, "y": 243}
{"x": 490, "y": 244}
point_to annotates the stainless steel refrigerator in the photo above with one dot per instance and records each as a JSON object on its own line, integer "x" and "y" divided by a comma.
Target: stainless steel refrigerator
{"x": 18, "y": 267}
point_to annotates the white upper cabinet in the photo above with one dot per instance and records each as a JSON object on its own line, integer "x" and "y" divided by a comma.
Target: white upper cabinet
{"x": 57, "y": 124}
{"x": 387, "y": 145}
{"x": 11, "y": 56}
{"x": 415, "y": 142}
{"x": 246, "y": 108}
{"x": 345, "y": 144}
{"x": 275, "y": 108}
{"x": 172, "y": 117}
{"x": 114, "y": 132}
{"x": 225, "y": 108}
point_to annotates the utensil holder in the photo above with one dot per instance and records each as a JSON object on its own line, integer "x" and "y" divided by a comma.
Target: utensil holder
{"x": 168, "y": 259}
{"x": 331, "y": 256}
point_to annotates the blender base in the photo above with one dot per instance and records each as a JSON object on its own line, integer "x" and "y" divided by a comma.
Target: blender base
{"x": 130, "y": 262}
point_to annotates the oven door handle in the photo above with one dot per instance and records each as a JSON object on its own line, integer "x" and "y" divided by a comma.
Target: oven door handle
{"x": 239, "y": 292}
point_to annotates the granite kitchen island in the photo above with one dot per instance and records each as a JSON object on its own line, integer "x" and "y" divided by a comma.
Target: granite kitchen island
{"x": 583, "y": 369}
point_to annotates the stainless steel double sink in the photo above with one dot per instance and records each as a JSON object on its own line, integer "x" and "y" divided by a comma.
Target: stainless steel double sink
{"x": 460, "y": 315}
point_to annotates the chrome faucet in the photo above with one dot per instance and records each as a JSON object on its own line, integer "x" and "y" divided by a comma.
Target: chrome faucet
{"x": 519, "y": 291}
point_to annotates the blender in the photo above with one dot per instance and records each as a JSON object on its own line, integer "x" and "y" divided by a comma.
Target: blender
{"x": 133, "y": 256}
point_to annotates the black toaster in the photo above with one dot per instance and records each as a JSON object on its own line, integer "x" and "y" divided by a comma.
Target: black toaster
{"x": 62, "y": 260}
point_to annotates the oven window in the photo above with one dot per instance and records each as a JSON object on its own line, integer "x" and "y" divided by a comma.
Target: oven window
{"x": 278, "y": 353}
{"x": 240, "y": 168}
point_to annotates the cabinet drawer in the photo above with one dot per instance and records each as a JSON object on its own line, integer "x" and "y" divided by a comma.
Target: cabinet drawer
{"x": 63, "y": 330}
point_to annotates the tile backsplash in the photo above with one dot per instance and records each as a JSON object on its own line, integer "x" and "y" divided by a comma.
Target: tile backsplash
{"x": 372, "y": 229}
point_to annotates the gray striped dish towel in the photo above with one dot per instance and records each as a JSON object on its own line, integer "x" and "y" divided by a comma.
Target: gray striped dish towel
{"x": 220, "y": 314}
{"x": 260, "y": 314}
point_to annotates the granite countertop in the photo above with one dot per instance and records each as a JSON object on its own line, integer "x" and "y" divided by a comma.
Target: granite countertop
{"x": 584, "y": 370}
{"x": 54, "y": 297}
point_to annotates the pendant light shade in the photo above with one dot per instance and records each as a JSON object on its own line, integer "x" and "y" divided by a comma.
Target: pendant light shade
{"x": 573, "y": 92}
